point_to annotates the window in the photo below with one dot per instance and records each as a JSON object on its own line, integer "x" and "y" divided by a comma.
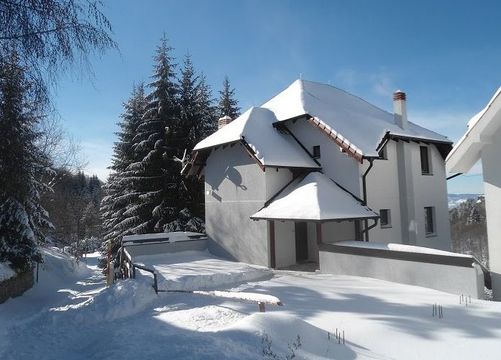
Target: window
{"x": 429, "y": 220}
{"x": 316, "y": 152}
{"x": 425, "y": 160}
{"x": 385, "y": 218}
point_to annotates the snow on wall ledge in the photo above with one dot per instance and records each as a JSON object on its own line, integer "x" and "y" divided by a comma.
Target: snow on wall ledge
{"x": 452, "y": 275}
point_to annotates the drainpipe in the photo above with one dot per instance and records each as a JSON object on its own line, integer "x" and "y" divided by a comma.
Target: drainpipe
{"x": 364, "y": 198}
{"x": 364, "y": 183}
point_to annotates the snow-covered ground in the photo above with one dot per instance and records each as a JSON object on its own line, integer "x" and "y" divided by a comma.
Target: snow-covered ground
{"x": 6, "y": 272}
{"x": 199, "y": 270}
{"x": 73, "y": 316}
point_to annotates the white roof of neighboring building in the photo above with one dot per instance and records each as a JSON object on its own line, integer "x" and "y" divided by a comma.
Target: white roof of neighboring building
{"x": 360, "y": 123}
{"x": 314, "y": 198}
{"x": 480, "y": 127}
{"x": 271, "y": 147}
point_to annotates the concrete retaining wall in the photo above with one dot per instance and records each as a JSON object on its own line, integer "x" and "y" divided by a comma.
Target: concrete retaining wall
{"x": 456, "y": 275}
{"x": 16, "y": 286}
{"x": 166, "y": 247}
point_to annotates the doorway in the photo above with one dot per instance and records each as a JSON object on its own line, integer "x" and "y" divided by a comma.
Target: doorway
{"x": 301, "y": 241}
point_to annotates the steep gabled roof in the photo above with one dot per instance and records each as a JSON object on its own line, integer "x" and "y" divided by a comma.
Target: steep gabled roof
{"x": 468, "y": 149}
{"x": 314, "y": 198}
{"x": 270, "y": 147}
{"x": 359, "y": 124}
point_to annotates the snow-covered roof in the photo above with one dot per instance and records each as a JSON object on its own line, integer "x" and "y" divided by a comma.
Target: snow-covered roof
{"x": 360, "y": 124}
{"x": 480, "y": 127}
{"x": 314, "y": 198}
{"x": 271, "y": 147}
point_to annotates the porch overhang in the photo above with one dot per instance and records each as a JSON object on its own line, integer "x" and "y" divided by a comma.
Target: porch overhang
{"x": 315, "y": 198}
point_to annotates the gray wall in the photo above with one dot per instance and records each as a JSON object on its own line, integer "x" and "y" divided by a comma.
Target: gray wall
{"x": 449, "y": 278}
{"x": 162, "y": 248}
{"x": 16, "y": 285}
{"x": 235, "y": 188}
{"x": 335, "y": 164}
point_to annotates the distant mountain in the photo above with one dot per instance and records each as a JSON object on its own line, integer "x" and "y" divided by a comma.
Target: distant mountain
{"x": 456, "y": 199}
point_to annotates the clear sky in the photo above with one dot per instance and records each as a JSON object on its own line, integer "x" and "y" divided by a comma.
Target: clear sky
{"x": 446, "y": 55}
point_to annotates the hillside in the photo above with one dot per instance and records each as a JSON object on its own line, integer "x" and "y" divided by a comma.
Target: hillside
{"x": 468, "y": 226}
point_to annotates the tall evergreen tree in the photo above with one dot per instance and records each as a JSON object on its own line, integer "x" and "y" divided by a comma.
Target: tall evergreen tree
{"x": 22, "y": 165}
{"x": 120, "y": 194}
{"x": 227, "y": 105}
{"x": 158, "y": 141}
{"x": 197, "y": 122}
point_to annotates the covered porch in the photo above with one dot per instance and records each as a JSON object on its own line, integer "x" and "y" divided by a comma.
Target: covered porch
{"x": 309, "y": 211}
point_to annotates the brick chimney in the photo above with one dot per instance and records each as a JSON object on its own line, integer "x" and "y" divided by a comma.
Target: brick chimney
{"x": 400, "y": 109}
{"x": 223, "y": 121}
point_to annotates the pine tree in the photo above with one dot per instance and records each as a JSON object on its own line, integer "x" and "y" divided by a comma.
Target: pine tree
{"x": 120, "y": 194}
{"x": 158, "y": 141}
{"x": 227, "y": 105}
{"x": 197, "y": 122}
{"x": 22, "y": 165}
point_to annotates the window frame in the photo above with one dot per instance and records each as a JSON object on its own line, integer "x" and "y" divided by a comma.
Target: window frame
{"x": 388, "y": 224}
{"x": 316, "y": 154}
{"x": 429, "y": 214}
{"x": 425, "y": 170}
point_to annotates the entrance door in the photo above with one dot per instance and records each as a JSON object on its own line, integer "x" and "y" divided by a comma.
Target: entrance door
{"x": 301, "y": 241}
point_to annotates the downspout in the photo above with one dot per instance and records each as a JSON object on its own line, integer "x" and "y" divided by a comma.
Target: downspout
{"x": 364, "y": 198}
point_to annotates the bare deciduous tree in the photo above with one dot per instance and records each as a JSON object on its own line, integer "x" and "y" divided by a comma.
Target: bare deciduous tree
{"x": 49, "y": 35}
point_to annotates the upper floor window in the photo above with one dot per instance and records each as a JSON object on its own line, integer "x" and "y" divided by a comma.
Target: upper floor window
{"x": 385, "y": 218}
{"x": 425, "y": 160}
{"x": 429, "y": 221}
{"x": 316, "y": 152}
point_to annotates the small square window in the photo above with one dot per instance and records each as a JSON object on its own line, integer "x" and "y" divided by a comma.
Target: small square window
{"x": 429, "y": 221}
{"x": 385, "y": 218}
{"x": 425, "y": 160}
{"x": 316, "y": 152}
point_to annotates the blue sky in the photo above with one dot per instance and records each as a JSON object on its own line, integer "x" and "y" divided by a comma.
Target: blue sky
{"x": 445, "y": 55}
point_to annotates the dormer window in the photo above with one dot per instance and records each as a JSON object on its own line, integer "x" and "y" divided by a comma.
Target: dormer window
{"x": 316, "y": 152}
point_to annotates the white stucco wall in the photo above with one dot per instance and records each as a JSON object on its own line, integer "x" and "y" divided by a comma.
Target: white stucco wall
{"x": 453, "y": 279}
{"x": 235, "y": 188}
{"x": 431, "y": 190}
{"x": 492, "y": 187}
{"x": 383, "y": 193}
{"x": 338, "y": 231}
{"x": 335, "y": 164}
{"x": 285, "y": 243}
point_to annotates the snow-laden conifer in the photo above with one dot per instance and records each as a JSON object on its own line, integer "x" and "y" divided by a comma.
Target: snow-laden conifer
{"x": 22, "y": 166}
{"x": 227, "y": 105}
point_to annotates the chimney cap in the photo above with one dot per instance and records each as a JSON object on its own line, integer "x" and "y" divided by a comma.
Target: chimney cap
{"x": 399, "y": 95}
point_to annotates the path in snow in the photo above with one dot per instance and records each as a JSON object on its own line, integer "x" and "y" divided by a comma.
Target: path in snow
{"x": 381, "y": 320}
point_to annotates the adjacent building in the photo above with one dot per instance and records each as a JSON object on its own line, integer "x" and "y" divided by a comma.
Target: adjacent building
{"x": 482, "y": 141}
